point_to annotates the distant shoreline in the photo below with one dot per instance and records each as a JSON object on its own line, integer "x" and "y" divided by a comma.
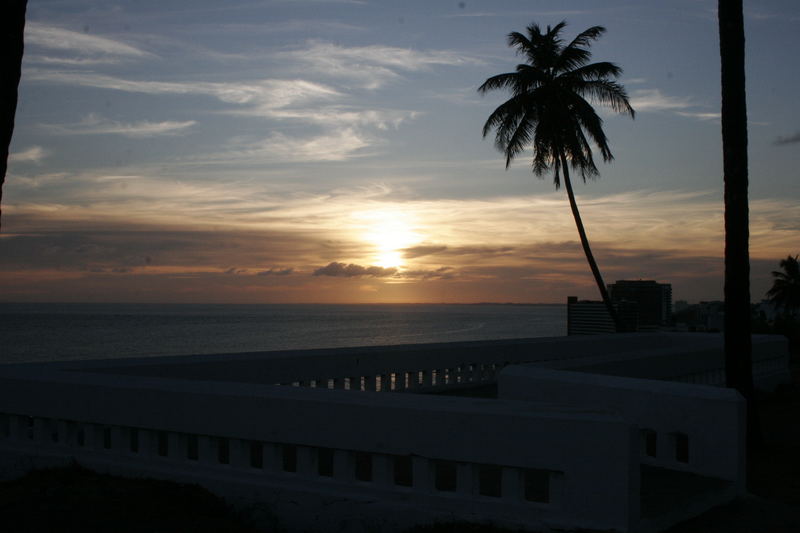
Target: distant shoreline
{"x": 282, "y": 303}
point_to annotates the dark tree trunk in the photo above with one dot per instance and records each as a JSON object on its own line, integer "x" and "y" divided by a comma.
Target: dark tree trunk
{"x": 586, "y": 249}
{"x": 12, "y": 29}
{"x": 738, "y": 347}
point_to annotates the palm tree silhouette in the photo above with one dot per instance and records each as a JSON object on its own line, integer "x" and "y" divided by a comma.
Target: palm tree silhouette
{"x": 12, "y": 29}
{"x": 550, "y": 110}
{"x": 785, "y": 291}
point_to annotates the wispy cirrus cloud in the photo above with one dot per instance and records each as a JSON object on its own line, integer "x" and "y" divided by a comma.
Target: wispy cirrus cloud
{"x": 653, "y": 100}
{"x": 266, "y": 93}
{"x": 94, "y": 124}
{"x": 335, "y": 145}
{"x": 34, "y": 154}
{"x": 79, "y": 48}
{"x": 370, "y": 67}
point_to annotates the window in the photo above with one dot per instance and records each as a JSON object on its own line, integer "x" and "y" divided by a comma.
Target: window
{"x": 444, "y": 473}
{"x": 223, "y": 451}
{"x": 325, "y": 462}
{"x": 163, "y": 443}
{"x": 107, "y": 438}
{"x": 403, "y": 470}
{"x": 134, "y": 440}
{"x": 537, "y": 485}
{"x": 191, "y": 447}
{"x": 289, "y": 457}
{"x": 490, "y": 480}
{"x": 649, "y": 442}
{"x": 681, "y": 447}
{"x": 363, "y": 464}
{"x": 256, "y": 455}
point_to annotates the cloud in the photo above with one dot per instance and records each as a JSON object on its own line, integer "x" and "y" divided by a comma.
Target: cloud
{"x": 787, "y": 139}
{"x": 94, "y": 124}
{"x": 342, "y": 270}
{"x": 655, "y": 100}
{"x": 372, "y": 66}
{"x": 276, "y": 272}
{"x": 92, "y": 49}
{"x": 34, "y": 154}
{"x": 423, "y": 250}
{"x": 442, "y": 273}
{"x": 334, "y": 146}
{"x": 339, "y": 115}
{"x": 699, "y": 115}
{"x": 262, "y": 95}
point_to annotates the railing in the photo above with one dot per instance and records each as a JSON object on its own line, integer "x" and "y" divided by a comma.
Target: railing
{"x": 687, "y": 357}
{"x": 221, "y": 421}
{"x": 508, "y": 462}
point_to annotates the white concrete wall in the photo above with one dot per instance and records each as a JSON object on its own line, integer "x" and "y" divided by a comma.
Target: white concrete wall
{"x": 589, "y": 452}
{"x": 45, "y": 412}
{"x": 710, "y": 421}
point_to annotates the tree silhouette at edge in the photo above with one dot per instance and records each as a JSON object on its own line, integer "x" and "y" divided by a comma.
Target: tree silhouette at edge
{"x": 737, "y": 335}
{"x": 12, "y": 28}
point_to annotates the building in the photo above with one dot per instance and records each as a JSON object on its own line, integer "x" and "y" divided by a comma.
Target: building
{"x": 653, "y": 302}
{"x": 586, "y": 317}
{"x": 589, "y": 317}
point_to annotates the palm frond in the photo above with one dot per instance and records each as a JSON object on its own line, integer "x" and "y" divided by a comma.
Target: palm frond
{"x": 501, "y": 81}
{"x": 520, "y": 139}
{"x": 606, "y": 92}
{"x": 505, "y": 114}
{"x": 595, "y": 71}
{"x": 523, "y": 45}
{"x": 585, "y": 37}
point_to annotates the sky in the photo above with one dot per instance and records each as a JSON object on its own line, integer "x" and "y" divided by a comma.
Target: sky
{"x": 331, "y": 151}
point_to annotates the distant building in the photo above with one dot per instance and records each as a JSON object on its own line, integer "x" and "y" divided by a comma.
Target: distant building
{"x": 641, "y": 305}
{"x": 653, "y": 302}
{"x": 588, "y": 317}
{"x": 703, "y": 316}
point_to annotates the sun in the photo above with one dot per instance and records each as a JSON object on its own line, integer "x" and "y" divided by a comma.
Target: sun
{"x": 389, "y": 233}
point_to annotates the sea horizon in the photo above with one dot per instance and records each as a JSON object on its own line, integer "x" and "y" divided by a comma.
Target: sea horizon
{"x": 31, "y": 331}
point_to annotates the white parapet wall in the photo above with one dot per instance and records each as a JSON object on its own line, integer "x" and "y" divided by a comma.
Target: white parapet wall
{"x": 682, "y": 427}
{"x": 693, "y": 428}
{"x": 328, "y": 459}
{"x": 287, "y": 430}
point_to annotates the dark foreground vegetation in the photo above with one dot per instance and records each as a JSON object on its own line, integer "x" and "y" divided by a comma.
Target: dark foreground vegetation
{"x": 76, "y": 499}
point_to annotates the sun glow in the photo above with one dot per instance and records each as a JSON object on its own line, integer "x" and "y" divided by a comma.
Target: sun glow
{"x": 389, "y": 233}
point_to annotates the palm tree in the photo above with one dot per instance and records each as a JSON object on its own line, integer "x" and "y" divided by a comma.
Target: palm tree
{"x": 785, "y": 291}
{"x": 550, "y": 111}
{"x": 12, "y": 29}
{"x": 738, "y": 343}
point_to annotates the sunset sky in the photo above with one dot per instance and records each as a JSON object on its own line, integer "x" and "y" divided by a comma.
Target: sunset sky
{"x": 331, "y": 151}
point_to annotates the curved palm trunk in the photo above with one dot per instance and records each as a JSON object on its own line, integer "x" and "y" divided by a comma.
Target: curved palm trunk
{"x": 12, "y": 29}
{"x": 586, "y": 249}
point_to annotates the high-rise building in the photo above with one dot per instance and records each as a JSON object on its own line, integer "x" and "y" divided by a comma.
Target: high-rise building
{"x": 653, "y": 301}
{"x": 588, "y": 317}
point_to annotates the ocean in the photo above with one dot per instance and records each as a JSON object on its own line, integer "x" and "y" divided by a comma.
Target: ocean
{"x": 49, "y": 332}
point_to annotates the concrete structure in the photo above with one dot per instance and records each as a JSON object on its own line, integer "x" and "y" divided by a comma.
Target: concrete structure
{"x": 593, "y": 447}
